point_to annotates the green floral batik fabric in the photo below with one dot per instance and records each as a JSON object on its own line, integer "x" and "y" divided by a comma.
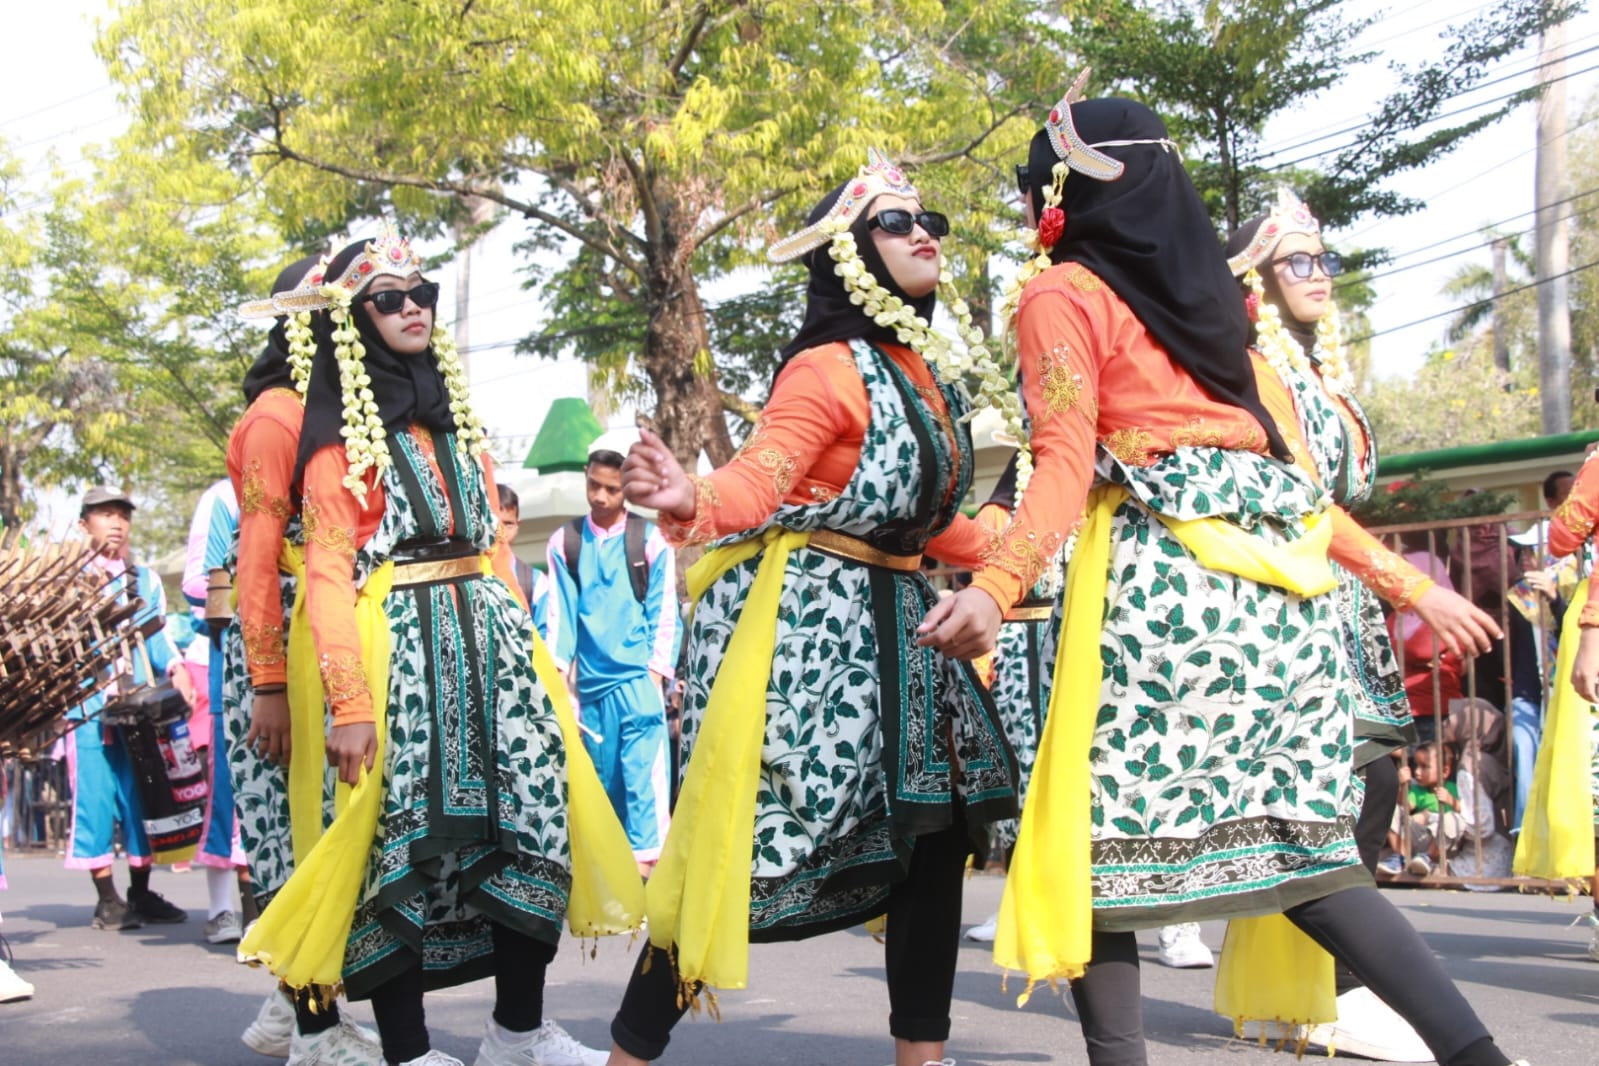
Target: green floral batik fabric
{"x": 474, "y": 826}
{"x": 1021, "y": 696}
{"x": 1382, "y": 711}
{"x": 1221, "y": 758}
{"x": 866, "y": 733}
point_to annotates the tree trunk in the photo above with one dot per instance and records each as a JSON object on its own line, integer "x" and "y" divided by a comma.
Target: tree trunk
{"x": 10, "y": 496}
{"x": 1554, "y": 311}
{"x": 1501, "y": 331}
{"x": 688, "y": 405}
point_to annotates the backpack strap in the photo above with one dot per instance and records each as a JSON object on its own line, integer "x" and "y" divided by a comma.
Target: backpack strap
{"x": 638, "y": 564}
{"x": 572, "y": 548}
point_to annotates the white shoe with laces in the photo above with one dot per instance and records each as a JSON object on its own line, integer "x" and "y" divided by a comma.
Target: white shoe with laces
{"x": 434, "y": 1058}
{"x": 1370, "y": 1028}
{"x": 548, "y": 1045}
{"x": 1181, "y": 948}
{"x": 273, "y": 1028}
{"x": 346, "y": 1044}
{"x": 985, "y": 932}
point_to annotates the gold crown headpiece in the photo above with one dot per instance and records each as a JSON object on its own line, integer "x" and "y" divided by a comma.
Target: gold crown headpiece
{"x": 1289, "y": 215}
{"x": 1077, "y": 153}
{"x": 878, "y": 176}
{"x": 389, "y": 253}
{"x": 271, "y": 307}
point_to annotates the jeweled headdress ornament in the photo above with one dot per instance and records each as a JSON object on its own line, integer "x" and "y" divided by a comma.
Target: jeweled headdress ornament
{"x": 1077, "y": 153}
{"x": 1289, "y": 215}
{"x": 878, "y": 176}
{"x": 389, "y": 253}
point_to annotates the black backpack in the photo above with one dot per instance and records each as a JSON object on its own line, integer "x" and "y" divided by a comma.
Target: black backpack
{"x": 638, "y": 566}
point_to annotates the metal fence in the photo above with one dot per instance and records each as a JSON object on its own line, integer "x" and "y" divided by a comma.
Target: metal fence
{"x": 1487, "y": 710}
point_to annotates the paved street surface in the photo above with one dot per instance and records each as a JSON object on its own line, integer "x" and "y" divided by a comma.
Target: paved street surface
{"x": 160, "y": 995}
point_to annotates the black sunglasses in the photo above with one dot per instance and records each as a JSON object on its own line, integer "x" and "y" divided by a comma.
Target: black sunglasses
{"x": 900, "y": 222}
{"x": 389, "y": 301}
{"x": 1303, "y": 264}
{"x": 1023, "y": 184}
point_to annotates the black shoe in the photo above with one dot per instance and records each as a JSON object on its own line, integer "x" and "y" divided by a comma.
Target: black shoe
{"x": 114, "y": 914}
{"x": 154, "y": 908}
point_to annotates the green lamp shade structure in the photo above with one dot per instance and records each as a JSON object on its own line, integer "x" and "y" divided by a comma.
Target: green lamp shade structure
{"x": 563, "y": 440}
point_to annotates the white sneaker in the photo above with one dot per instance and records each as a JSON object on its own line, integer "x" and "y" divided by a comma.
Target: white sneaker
{"x": 1593, "y": 943}
{"x": 1418, "y": 866}
{"x": 12, "y": 987}
{"x": 346, "y": 1044}
{"x": 1181, "y": 948}
{"x": 434, "y": 1058}
{"x": 548, "y": 1045}
{"x": 1368, "y": 1027}
{"x": 273, "y": 1027}
{"x": 984, "y": 933}
{"x": 1267, "y": 1032}
{"x": 224, "y": 929}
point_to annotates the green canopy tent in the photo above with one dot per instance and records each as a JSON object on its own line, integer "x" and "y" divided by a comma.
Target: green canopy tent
{"x": 563, "y": 440}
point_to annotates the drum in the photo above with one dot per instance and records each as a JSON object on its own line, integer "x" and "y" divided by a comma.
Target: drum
{"x": 153, "y": 725}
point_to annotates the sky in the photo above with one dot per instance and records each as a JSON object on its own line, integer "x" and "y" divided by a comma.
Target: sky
{"x": 55, "y": 98}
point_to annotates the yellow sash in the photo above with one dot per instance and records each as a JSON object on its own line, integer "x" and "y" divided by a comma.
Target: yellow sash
{"x": 1557, "y": 830}
{"x": 1299, "y": 566}
{"x": 301, "y": 937}
{"x": 1046, "y": 914}
{"x": 699, "y": 894}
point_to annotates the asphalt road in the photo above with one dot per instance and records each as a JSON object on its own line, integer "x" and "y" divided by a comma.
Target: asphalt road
{"x": 160, "y": 995}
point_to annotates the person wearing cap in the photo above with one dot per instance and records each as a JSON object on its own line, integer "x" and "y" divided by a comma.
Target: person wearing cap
{"x": 104, "y": 793}
{"x": 619, "y": 649}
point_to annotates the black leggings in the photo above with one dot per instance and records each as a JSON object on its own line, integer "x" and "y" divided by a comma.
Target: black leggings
{"x": 519, "y": 965}
{"x": 1357, "y": 925}
{"x": 923, "y": 941}
{"x": 1371, "y": 832}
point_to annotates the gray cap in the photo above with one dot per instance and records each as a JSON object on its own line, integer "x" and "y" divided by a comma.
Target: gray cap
{"x": 100, "y": 496}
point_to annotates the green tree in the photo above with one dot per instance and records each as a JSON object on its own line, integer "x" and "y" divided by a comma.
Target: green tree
{"x": 120, "y": 355}
{"x": 651, "y": 147}
{"x": 1220, "y": 70}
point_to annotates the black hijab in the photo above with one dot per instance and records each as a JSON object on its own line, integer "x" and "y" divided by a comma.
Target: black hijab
{"x": 271, "y": 368}
{"x": 1148, "y": 236}
{"x": 1303, "y": 332}
{"x": 829, "y": 315}
{"x": 408, "y": 389}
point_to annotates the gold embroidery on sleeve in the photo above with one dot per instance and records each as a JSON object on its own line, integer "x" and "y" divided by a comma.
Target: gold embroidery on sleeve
{"x": 1082, "y": 280}
{"x": 1578, "y": 526}
{"x": 263, "y": 644}
{"x": 255, "y": 499}
{"x": 1394, "y": 580}
{"x": 1026, "y": 555}
{"x": 1589, "y": 617}
{"x": 339, "y": 539}
{"x": 343, "y": 677}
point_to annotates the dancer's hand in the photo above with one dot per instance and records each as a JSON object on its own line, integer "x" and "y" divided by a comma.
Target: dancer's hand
{"x": 1460, "y": 626}
{"x": 350, "y": 747}
{"x": 652, "y": 477}
{"x": 962, "y": 626}
{"x": 1585, "y": 667}
{"x": 270, "y": 733}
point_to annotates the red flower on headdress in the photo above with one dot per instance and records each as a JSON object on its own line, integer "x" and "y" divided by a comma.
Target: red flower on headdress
{"x": 1051, "y": 224}
{"x": 1252, "y": 305}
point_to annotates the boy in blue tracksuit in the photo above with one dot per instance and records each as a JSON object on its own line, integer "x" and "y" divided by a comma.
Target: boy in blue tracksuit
{"x": 104, "y": 793}
{"x": 616, "y": 636}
